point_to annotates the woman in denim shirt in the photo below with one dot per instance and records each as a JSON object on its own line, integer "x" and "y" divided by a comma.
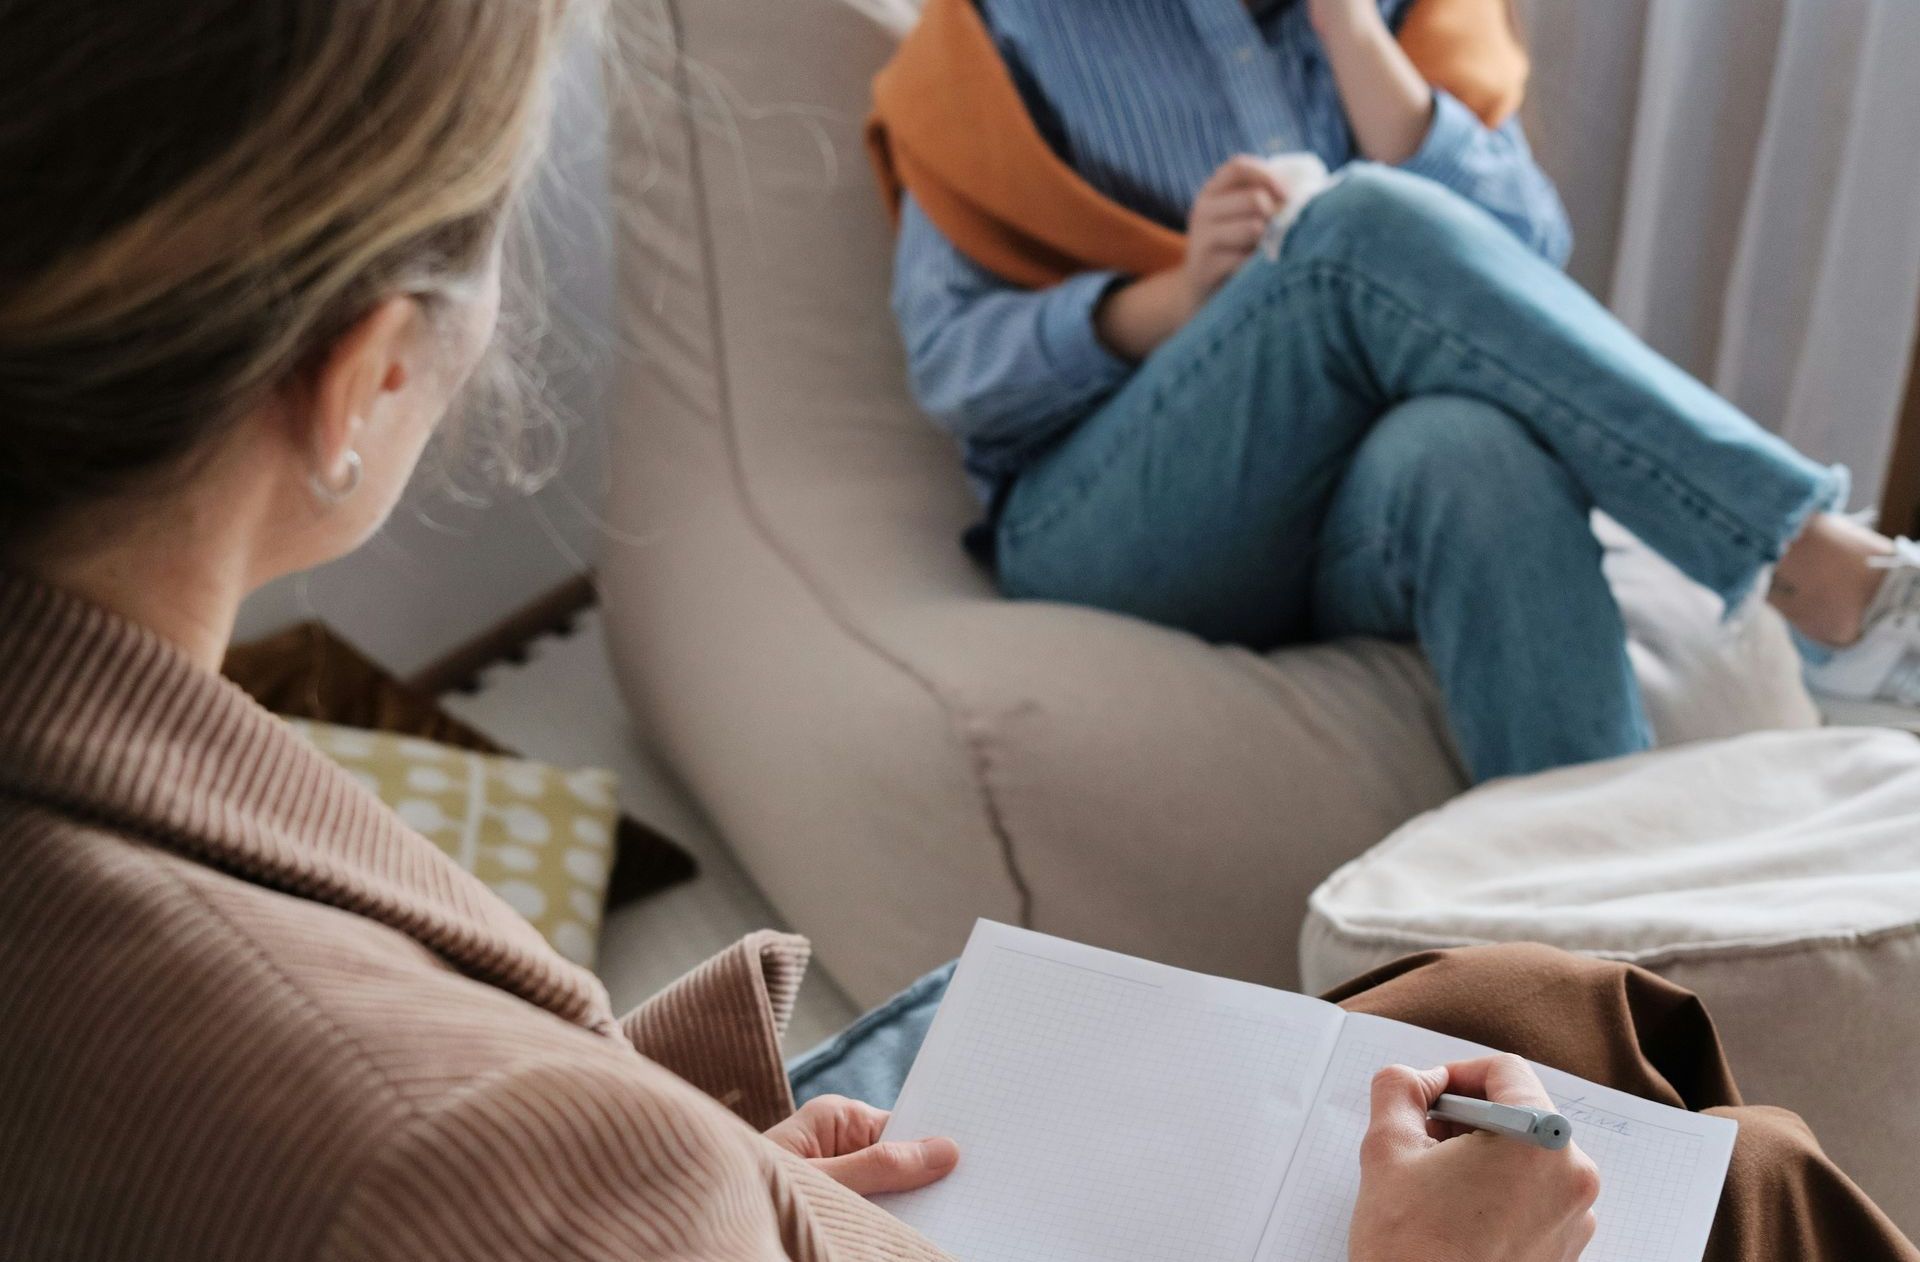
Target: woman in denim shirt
{"x": 1397, "y": 423}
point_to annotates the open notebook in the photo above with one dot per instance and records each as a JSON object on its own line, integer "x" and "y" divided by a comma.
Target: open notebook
{"x": 1108, "y": 1108}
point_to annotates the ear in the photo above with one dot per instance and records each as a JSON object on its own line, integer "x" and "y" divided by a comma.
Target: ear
{"x": 366, "y": 367}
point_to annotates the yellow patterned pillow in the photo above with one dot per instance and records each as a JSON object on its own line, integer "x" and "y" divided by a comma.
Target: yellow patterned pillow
{"x": 540, "y": 837}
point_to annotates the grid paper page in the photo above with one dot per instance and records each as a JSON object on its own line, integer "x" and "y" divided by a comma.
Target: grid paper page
{"x": 1660, "y": 1169}
{"x": 1106, "y": 1109}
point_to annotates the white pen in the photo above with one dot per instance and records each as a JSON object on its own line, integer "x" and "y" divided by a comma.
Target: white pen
{"x": 1516, "y": 1121}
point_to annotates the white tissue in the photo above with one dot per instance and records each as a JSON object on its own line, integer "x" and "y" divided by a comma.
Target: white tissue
{"x": 1303, "y": 177}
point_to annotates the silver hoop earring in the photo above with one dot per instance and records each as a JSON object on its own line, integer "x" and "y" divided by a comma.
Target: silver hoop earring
{"x": 332, "y": 493}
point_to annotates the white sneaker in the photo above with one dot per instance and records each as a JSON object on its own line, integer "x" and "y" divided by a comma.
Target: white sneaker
{"x": 1875, "y": 681}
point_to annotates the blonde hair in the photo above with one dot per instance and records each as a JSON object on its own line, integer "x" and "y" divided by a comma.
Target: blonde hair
{"x": 201, "y": 195}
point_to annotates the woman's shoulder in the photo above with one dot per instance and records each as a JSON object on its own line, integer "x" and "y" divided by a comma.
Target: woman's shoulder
{"x": 188, "y": 1076}
{"x": 112, "y": 919}
{"x": 226, "y": 1058}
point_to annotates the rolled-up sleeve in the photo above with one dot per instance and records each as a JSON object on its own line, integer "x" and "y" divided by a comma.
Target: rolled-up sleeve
{"x": 1494, "y": 167}
{"x": 992, "y": 363}
{"x": 719, "y": 1027}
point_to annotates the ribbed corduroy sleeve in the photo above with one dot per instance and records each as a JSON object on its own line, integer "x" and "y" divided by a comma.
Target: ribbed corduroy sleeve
{"x": 719, "y": 1027}
{"x": 572, "y": 1159}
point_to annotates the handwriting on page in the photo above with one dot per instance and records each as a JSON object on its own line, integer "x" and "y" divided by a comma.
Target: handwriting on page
{"x": 1592, "y": 1116}
{"x": 1645, "y": 1170}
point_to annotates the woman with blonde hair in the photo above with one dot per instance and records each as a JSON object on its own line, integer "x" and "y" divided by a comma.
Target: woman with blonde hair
{"x": 249, "y": 253}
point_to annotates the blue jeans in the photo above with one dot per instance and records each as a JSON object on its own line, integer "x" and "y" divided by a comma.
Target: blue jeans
{"x": 1399, "y": 428}
{"x": 869, "y": 1059}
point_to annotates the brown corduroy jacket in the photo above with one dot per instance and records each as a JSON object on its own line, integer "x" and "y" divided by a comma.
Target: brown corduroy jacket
{"x": 245, "y": 1013}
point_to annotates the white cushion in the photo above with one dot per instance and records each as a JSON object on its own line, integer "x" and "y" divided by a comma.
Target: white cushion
{"x": 1776, "y": 875}
{"x": 889, "y": 748}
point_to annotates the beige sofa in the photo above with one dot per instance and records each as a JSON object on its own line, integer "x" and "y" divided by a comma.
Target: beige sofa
{"x": 890, "y": 748}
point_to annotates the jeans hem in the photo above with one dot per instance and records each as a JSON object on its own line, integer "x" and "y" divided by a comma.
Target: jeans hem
{"x": 836, "y": 1049}
{"x": 1827, "y": 496}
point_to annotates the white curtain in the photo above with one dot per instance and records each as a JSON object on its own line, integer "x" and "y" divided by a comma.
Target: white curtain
{"x": 1744, "y": 180}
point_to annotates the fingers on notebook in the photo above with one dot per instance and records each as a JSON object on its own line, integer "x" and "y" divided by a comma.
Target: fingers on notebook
{"x": 898, "y": 1166}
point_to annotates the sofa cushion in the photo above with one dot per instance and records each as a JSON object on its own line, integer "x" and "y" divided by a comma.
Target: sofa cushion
{"x": 540, "y": 837}
{"x": 1776, "y": 875}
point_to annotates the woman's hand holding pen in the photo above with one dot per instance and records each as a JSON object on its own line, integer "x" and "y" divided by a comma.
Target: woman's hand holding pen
{"x": 1429, "y": 1193}
{"x": 1223, "y": 229}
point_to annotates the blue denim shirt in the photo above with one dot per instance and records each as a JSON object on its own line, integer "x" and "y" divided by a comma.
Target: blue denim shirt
{"x": 1145, "y": 99}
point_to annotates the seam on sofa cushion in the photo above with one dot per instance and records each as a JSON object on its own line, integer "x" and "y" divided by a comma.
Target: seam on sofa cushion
{"x": 1408, "y": 942}
{"x": 972, "y": 733}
